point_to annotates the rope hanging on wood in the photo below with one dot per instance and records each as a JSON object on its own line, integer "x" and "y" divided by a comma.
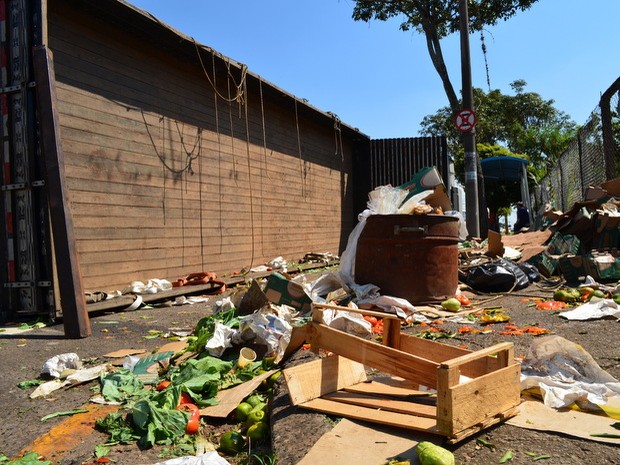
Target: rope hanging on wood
{"x": 239, "y": 96}
{"x": 190, "y": 156}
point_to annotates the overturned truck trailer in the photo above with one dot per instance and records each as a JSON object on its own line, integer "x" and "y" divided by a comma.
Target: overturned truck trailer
{"x": 157, "y": 157}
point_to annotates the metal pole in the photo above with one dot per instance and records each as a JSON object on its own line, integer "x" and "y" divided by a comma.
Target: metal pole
{"x": 469, "y": 137}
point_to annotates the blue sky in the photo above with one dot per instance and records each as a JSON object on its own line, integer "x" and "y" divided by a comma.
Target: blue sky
{"x": 380, "y": 80}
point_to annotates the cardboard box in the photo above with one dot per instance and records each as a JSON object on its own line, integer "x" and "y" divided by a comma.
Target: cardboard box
{"x": 607, "y": 265}
{"x": 546, "y": 264}
{"x": 429, "y": 179}
{"x": 606, "y": 232}
{"x": 612, "y": 187}
{"x": 283, "y": 291}
{"x": 576, "y": 267}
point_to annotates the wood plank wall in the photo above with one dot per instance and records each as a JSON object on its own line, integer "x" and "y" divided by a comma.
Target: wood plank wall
{"x": 166, "y": 178}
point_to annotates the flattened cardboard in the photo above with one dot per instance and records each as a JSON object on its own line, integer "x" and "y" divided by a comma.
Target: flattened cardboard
{"x": 536, "y": 416}
{"x": 356, "y": 442}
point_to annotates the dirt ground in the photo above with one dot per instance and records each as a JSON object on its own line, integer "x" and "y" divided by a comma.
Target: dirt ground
{"x": 294, "y": 430}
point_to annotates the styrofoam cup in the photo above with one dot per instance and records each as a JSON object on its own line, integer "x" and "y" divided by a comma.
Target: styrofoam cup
{"x": 246, "y": 355}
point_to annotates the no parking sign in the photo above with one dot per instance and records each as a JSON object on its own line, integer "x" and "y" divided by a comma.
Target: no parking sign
{"x": 465, "y": 120}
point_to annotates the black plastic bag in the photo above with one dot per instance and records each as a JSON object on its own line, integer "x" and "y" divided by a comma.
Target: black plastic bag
{"x": 531, "y": 271}
{"x": 497, "y": 276}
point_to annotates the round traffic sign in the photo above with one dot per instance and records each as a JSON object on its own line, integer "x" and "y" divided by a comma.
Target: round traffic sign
{"x": 465, "y": 120}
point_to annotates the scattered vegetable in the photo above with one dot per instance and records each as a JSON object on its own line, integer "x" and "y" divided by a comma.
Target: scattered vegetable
{"x": 506, "y": 457}
{"x": 551, "y": 305}
{"x": 463, "y": 299}
{"x": 242, "y": 411}
{"x": 254, "y": 417}
{"x": 61, "y": 414}
{"x": 232, "y": 442}
{"x": 451, "y": 304}
{"x": 258, "y": 432}
{"x": 537, "y": 456}
{"x": 162, "y": 385}
{"x": 193, "y": 423}
{"x": 485, "y": 443}
{"x": 432, "y": 454}
{"x": 567, "y": 295}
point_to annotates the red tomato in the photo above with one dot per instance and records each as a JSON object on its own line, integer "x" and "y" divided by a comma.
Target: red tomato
{"x": 162, "y": 385}
{"x": 185, "y": 399}
{"x": 194, "y": 420}
{"x": 370, "y": 319}
{"x": 463, "y": 299}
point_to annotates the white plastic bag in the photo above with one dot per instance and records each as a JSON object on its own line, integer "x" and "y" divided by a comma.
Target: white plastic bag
{"x": 221, "y": 339}
{"x": 565, "y": 372}
{"x": 59, "y": 363}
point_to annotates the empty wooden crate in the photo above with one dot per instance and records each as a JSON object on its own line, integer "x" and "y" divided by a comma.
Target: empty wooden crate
{"x": 471, "y": 390}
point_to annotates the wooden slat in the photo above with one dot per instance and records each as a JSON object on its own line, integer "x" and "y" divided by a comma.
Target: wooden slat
{"x": 468, "y": 358}
{"x": 372, "y": 415}
{"x": 380, "y": 388}
{"x": 473, "y": 402}
{"x": 383, "y": 404}
{"x": 375, "y": 355}
{"x": 486, "y": 423}
{"x": 314, "y": 379}
{"x": 75, "y": 316}
{"x": 360, "y": 311}
{"x": 439, "y": 352}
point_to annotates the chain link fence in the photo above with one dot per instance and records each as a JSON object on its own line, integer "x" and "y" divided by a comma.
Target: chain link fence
{"x": 590, "y": 160}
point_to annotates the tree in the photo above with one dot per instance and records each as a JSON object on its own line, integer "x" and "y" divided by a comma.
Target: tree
{"x": 437, "y": 19}
{"x": 523, "y": 123}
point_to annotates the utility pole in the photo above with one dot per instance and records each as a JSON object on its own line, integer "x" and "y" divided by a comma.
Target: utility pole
{"x": 466, "y": 122}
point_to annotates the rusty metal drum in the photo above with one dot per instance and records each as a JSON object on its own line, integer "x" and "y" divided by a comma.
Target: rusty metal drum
{"x": 414, "y": 257}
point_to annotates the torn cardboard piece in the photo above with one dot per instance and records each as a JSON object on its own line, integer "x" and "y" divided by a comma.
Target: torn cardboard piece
{"x": 228, "y": 399}
{"x": 283, "y": 291}
{"x": 355, "y": 442}
{"x": 535, "y": 415}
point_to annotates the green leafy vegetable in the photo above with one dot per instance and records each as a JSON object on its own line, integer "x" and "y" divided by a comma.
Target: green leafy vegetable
{"x": 30, "y": 383}
{"x": 158, "y": 425}
{"x": 484, "y": 443}
{"x": 30, "y": 458}
{"x": 205, "y": 328}
{"x": 66, "y": 413}
{"x": 121, "y": 385}
{"x": 101, "y": 450}
{"x": 118, "y": 427}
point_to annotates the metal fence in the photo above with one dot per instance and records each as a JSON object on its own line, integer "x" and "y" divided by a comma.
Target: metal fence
{"x": 591, "y": 159}
{"x": 395, "y": 161}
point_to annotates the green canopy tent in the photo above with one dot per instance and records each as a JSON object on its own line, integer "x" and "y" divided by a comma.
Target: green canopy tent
{"x": 502, "y": 170}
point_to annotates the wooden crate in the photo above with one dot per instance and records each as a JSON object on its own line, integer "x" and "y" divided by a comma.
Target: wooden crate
{"x": 473, "y": 390}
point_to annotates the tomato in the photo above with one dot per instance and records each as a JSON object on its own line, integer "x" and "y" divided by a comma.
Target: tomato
{"x": 258, "y": 432}
{"x": 162, "y": 385}
{"x": 371, "y": 319}
{"x": 254, "y": 417}
{"x": 242, "y": 411}
{"x": 185, "y": 399}
{"x": 254, "y": 400}
{"x": 232, "y": 442}
{"x": 194, "y": 419}
{"x": 462, "y": 298}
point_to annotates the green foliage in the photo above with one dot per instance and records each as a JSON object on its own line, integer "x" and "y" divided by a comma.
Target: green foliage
{"x": 29, "y": 458}
{"x": 118, "y": 427}
{"x": 205, "y": 328}
{"x": 523, "y": 123}
{"x": 437, "y": 19}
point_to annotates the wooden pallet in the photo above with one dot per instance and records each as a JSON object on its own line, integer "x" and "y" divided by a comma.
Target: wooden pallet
{"x": 474, "y": 390}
